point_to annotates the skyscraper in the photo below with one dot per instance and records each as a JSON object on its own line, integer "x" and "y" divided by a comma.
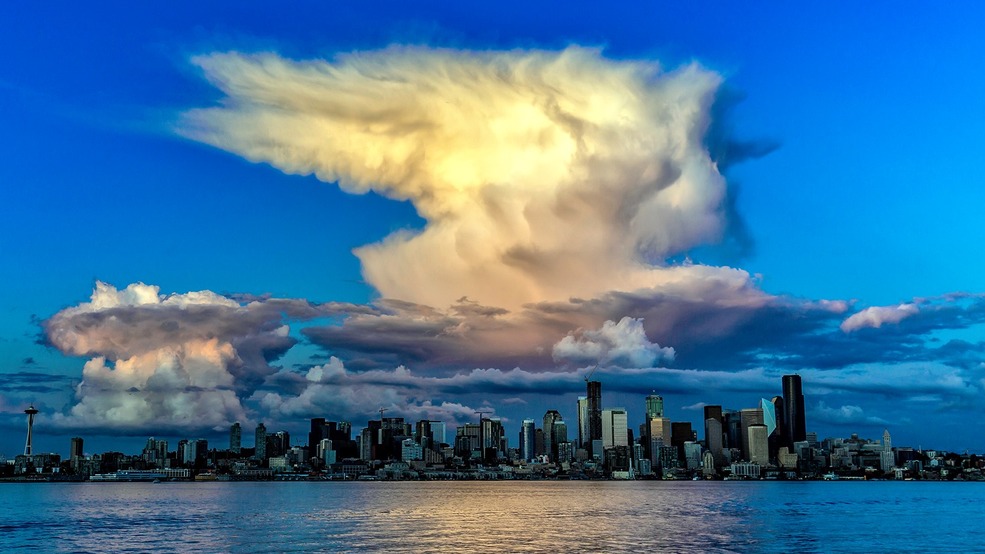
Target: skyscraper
{"x": 758, "y": 444}
{"x": 748, "y": 418}
{"x": 654, "y": 406}
{"x": 75, "y": 449}
{"x": 795, "y": 425}
{"x": 714, "y": 431}
{"x": 528, "y": 431}
{"x": 615, "y": 430}
{"x": 235, "y": 437}
{"x": 594, "y": 389}
{"x": 550, "y": 442}
{"x": 317, "y": 433}
{"x": 582, "y": 421}
{"x": 658, "y": 432}
{"x": 260, "y": 443}
{"x": 438, "y": 430}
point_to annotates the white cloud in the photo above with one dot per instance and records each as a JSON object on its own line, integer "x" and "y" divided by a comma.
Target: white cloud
{"x": 623, "y": 344}
{"x": 876, "y": 316}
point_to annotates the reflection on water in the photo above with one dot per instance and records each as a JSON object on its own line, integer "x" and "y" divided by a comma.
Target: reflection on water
{"x": 543, "y": 516}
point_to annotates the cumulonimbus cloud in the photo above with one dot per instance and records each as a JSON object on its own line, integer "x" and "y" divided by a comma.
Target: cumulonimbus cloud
{"x": 178, "y": 361}
{"x": 542, "y": 175}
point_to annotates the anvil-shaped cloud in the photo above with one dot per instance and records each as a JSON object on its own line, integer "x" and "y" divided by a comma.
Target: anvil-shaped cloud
{"x": 542, "y": 175}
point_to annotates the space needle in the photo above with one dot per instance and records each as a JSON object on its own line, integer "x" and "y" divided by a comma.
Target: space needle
{"x": 30, "y": 425}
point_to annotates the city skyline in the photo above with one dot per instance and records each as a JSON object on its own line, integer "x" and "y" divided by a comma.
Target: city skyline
{"x": 216, "y": 215}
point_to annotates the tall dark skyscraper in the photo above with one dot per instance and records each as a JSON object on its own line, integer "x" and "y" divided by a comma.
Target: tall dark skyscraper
{"x": 235, "y": 438}
{"x": 75, "y": 449}
{"x": 594, "y": 412}
{"x": 794, "y": 422}
{"x": 260, "y": 442}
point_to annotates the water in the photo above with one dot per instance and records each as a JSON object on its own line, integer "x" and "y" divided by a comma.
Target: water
{"x": 537, "y": 516}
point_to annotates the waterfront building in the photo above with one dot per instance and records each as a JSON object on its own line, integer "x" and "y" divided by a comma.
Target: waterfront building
{"x": 745, "y": 470}
{"x": 235, "y": 438}
{"x": 795, "y": 427}
{"x": 615, "y": 428}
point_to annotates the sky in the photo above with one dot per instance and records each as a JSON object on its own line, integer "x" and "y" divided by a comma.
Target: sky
{"x": 235, "y": 212}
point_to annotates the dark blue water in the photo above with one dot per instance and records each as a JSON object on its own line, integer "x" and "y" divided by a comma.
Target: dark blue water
{"x": 539, "y": 516}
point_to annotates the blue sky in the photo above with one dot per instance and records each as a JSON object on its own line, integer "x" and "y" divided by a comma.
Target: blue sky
{"x": 865, "y": 120}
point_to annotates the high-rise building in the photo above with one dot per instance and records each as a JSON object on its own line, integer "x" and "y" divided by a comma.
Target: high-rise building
{"x": 714, "y": 440}
{"x": 317, "y": 432}
{"x": 732, "y": 429}
{"x": 615, "y": 428}
{"x": 680, "y": 433}
{"x": 582, "y": 421}
{"x": 550, "y": 442}
{"x": 793, "y": 409}
{"x": 438, "y": 432}
{"x": 75, "y": 451}
{"x": 423, "y": 434}
{"x": 260, "y": 443}
{"x": 235, "y": 438}
{"x": 659, "y": 432}
{"x": 559, "y": 439}
{"x": 594, "y": 390}
{"x": 758, "y": 444}
{"x": 692, "y": 455}
{"x": 748, "y": 417}
{"x": 654, "y": 406}
{"x": 528, "y": 430}
{"x": 492, "y": 438}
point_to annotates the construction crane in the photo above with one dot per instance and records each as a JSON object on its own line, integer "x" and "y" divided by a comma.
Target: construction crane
{"x": 592, "y": 372}
{"x": 381, "y": 414}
